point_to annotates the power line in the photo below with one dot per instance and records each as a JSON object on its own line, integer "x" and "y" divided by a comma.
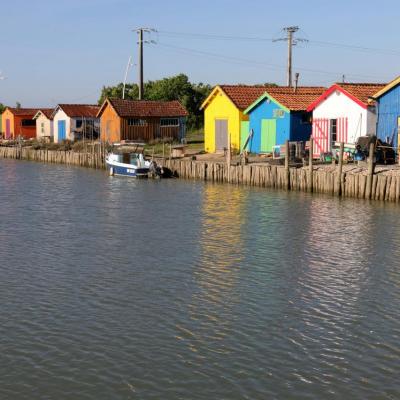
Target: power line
{"x": 215, "y": 36}
{"x": 255, "y": 63}
{"x": 267, "y": 39}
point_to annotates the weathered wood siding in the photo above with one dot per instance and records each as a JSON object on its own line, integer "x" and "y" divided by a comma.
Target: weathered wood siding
{"x": 110, "y": 125}
{"x": 151, "y": 131}
{"x": 388, "y": 114}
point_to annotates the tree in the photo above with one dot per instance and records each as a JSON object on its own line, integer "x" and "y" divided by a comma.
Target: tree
{"x": 173, "y": 88}
{"x": 17, "y": 104}
{"x": 2, "y": 108}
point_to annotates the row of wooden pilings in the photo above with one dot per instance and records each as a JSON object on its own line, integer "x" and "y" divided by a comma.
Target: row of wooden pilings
{"x": 355, "y": 182}
{"x": 89, "y": 159}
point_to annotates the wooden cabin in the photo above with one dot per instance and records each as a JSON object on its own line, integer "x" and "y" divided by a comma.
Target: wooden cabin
{"x": 343, "y": 113}
{"x": 141, "y": 120}
{"x": 279, "y": 115}
{"x": 224, "y": 114}
{"x": 44, "y": 124}
{"x": 388, "y": 113}
{"x": 18, "y": 122}
{"x": 75, "y": 122}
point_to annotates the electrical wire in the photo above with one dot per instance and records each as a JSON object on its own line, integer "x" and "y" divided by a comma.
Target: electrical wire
{"x": 266, "y": 39}
{"x": 262, "y": 64}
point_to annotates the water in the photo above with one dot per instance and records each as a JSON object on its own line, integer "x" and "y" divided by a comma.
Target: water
{"x": 113, "y": 288}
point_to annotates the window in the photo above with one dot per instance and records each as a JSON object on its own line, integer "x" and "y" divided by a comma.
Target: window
{"x": 78, "y": 123}
{"x": 169, "y": 122}
{"x": 136, "y": 122}
{"x": 333, "y": 130}
{"x": 28, "y": 122}
{"x": 42, "y": 127}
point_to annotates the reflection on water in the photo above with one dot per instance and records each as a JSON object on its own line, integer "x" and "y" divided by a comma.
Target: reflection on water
{"x": 216, "y": 271}
{"x": 115, "y": 288}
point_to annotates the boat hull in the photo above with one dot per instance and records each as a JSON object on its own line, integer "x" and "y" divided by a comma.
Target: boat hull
{"x": 129, "y": 170}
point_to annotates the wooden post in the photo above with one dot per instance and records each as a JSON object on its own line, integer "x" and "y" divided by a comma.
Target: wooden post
{"x": 170, "y": 152}
{"x": 163, "y": 150}
{"x": 371, "y": 168}
{"x": 338, "y": 188}
{"x": 228, "y": 153}
{"x": 310, "y": 165}
{"x": 152, "y": 154}
{"x": 287, "y": 183}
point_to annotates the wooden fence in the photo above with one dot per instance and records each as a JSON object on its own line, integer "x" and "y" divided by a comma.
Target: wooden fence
{"x": 337, "y": 180}
{"x": 94, "y": 158}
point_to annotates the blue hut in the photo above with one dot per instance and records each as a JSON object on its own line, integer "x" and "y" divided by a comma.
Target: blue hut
{"x": 388, "y": 110}
{"x": 279, "y": 115}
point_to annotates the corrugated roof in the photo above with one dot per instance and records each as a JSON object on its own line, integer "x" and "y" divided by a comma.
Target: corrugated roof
{"x": 241, "y": 95}
{"x": 29, "y": 112}
{"x": 362, "y": 91}
{"x": 146, "y": 108}
{"x": 80, "y": 110}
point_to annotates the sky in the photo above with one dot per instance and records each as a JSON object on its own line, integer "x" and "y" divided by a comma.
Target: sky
{"x": 65, "y": 51}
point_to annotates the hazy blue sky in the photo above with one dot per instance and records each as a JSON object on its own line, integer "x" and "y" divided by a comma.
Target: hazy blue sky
{"x": 65, "y": 51}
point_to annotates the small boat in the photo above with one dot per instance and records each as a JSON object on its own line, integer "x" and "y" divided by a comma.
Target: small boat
{"x": 128, "y": 160}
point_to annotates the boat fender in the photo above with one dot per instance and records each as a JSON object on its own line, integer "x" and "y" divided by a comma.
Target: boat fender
{"x": 111, "y": 171}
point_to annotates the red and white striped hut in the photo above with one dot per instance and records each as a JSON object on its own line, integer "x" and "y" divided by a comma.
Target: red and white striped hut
{"x": 343, "y": 113}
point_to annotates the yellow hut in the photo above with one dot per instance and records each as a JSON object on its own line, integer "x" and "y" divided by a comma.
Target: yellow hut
{"x": 223, "y": 115}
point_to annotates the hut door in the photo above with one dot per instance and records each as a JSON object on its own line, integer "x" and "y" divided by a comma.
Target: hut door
{"x": 321, "y": 135}
{"x": 61, "y": 131}
{"x": 221, "y": 134}
{"x": 8, "y": 129}
{"x": 268, "y": 135}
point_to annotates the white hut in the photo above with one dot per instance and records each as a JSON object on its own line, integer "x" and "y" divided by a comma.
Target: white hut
{"x": 44, "y": 124}
{"x": 343, "y": 113}
{"x": 76, "y": 121}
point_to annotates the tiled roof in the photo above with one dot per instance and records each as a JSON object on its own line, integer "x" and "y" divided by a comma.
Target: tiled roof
{"x": 241, "y": 95}
{"x": 362, "y": 91}
{"x": 29, "y": 112}
{"x": 80, "y": 110}
{"x": 145, "y": 108}
{"x": 47, "y": 112}
{"x": 295, "y": 99}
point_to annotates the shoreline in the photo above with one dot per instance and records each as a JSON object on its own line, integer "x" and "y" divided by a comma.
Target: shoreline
{"x": 354, "y": 179}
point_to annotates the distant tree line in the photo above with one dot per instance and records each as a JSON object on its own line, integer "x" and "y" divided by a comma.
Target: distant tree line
{"x": 178, "y": 87}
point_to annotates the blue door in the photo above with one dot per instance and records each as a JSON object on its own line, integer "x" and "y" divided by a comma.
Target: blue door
{"x": 61, "y": 131}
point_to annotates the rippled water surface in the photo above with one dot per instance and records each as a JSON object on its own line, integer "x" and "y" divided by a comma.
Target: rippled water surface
{"x": 113, "y": 288}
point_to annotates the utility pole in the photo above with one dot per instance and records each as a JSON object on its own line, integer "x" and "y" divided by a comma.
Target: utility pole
{"x": 291, "y": 41}
{"x": 140, "y": 64}
{"x": 141, "y": 32}
{"x": 290, "y": 31}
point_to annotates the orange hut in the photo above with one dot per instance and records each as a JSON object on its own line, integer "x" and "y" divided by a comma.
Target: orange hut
{"x": 19, "y": 122}
{"x": 141, "y": 120}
